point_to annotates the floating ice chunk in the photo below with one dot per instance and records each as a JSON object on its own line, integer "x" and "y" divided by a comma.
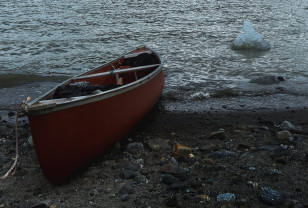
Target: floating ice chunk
{"x": 200, "y": 96}
{"x": 250, "y": 39}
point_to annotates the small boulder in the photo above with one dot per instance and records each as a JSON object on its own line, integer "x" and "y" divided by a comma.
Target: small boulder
{"x": 283, "y": 135}
{"x": 270, "y": 196}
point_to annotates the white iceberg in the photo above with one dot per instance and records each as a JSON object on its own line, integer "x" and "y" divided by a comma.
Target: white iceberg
{"x": 250, "y": 39}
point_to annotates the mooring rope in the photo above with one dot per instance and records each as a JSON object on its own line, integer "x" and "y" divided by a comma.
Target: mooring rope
{"x": 12, "y": 170}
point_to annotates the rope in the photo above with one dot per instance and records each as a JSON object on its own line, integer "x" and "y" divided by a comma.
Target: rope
{"x": 12, "y": 170}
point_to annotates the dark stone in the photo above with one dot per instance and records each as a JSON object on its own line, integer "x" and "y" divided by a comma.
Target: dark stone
{"x": 243, "y": 146}
{"x": 141, "y": 179}
{"x": 124, "y": 197}
{"x": 135, "y": 148}
{"x": 94, "y": 192}
{"x": 225, "y": 197}
{"x": 220, "y": 135}
{"x": 145, "y": 171}
{"x": 207, "y": 148}
{"x": 172, "y": 201}
{"x": 127, "y": 189}
{"x": 170, "y": 168}
{"x": 179, "y": 185}
{"x": 267, "y": 80}
{"x": 288, "y": 126}
{"x": 175, "y": 170}
{"x": 222, "y": 154}
{"x": 158, "y": 144}
{"x": 169, "y": 179}
{"x": 300, "y": 137}
{"x": 133, "y": 167}
{"x": 211, "y": 181}
{"x": 270, "y": 196}
{"x": 11, "y": 114}
{"x": 274, "y": 172}
{"x": 127, "y": 174}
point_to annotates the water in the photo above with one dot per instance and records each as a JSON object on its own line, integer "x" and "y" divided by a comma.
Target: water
{"x": 44, "y": 42}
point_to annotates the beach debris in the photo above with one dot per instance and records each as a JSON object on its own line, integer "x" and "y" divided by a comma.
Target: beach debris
{"x": 250, "y": 39}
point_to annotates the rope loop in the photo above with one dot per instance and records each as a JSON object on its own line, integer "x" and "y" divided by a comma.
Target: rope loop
{"x": 23, "y": 105}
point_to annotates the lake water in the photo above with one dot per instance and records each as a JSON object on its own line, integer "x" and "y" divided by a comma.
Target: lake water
{"x": 44, "y": 42}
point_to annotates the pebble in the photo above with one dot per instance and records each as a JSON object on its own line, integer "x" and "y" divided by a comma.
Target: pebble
{"x": 94, "y": 192}
{"x": 141, "y": 179}
{"x": 243, "y": 146}
{"x": 180, "y": 185}
{"x": 270, "y": 196}
{"x": 172, "y": 201}
{"x": 288, "y": 126}
{"x": 158, "y": 144}
{"x": 206, "y": 161}
{"x": 135, "y": 148}
{"x": 220, "y": 135}
{"x": 300, "y": 137}
{"x": 207, "y": 148}
{"x": 222, "y": 154}
{"x": 225, "y": 197}
{"x": 127, "y": 174}
{"x": 181, "y": 152}
{"x": 124, "y": 197}
{"x": 30, "y": 141}
{"x": 127, "y": 188}
{"x": 274, "y": 171}
{"x": 11, "y": 114}
{"x": 169, "y": 179}
{"x": 172, "y": 168}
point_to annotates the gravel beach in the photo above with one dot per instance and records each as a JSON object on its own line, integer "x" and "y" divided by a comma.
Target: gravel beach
{"x": 254, "y": 158}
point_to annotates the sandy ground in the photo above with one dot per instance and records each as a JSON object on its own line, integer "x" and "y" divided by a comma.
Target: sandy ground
{"x": 175, "y": 159}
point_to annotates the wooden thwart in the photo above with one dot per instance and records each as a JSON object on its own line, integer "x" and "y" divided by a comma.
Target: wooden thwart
{"x": 117, "y": 71}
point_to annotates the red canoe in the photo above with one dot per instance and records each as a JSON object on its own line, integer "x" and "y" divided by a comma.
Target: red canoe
{"x": 79, "y": 119}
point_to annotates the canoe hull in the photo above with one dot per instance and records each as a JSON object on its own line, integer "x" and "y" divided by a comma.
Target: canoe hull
{"x": 67, "y": 139}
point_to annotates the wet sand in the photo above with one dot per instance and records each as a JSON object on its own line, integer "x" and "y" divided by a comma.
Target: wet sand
{"x": 237, "y": 161}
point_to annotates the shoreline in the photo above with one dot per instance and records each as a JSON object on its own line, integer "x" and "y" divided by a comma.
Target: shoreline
{"x": 243, "y": 160}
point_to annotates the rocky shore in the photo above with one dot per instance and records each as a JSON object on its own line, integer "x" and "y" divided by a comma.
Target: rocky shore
{"x": 173, "y": 159}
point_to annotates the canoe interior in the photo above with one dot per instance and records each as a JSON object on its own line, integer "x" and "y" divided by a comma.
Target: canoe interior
{"x": 119, "y": 64}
